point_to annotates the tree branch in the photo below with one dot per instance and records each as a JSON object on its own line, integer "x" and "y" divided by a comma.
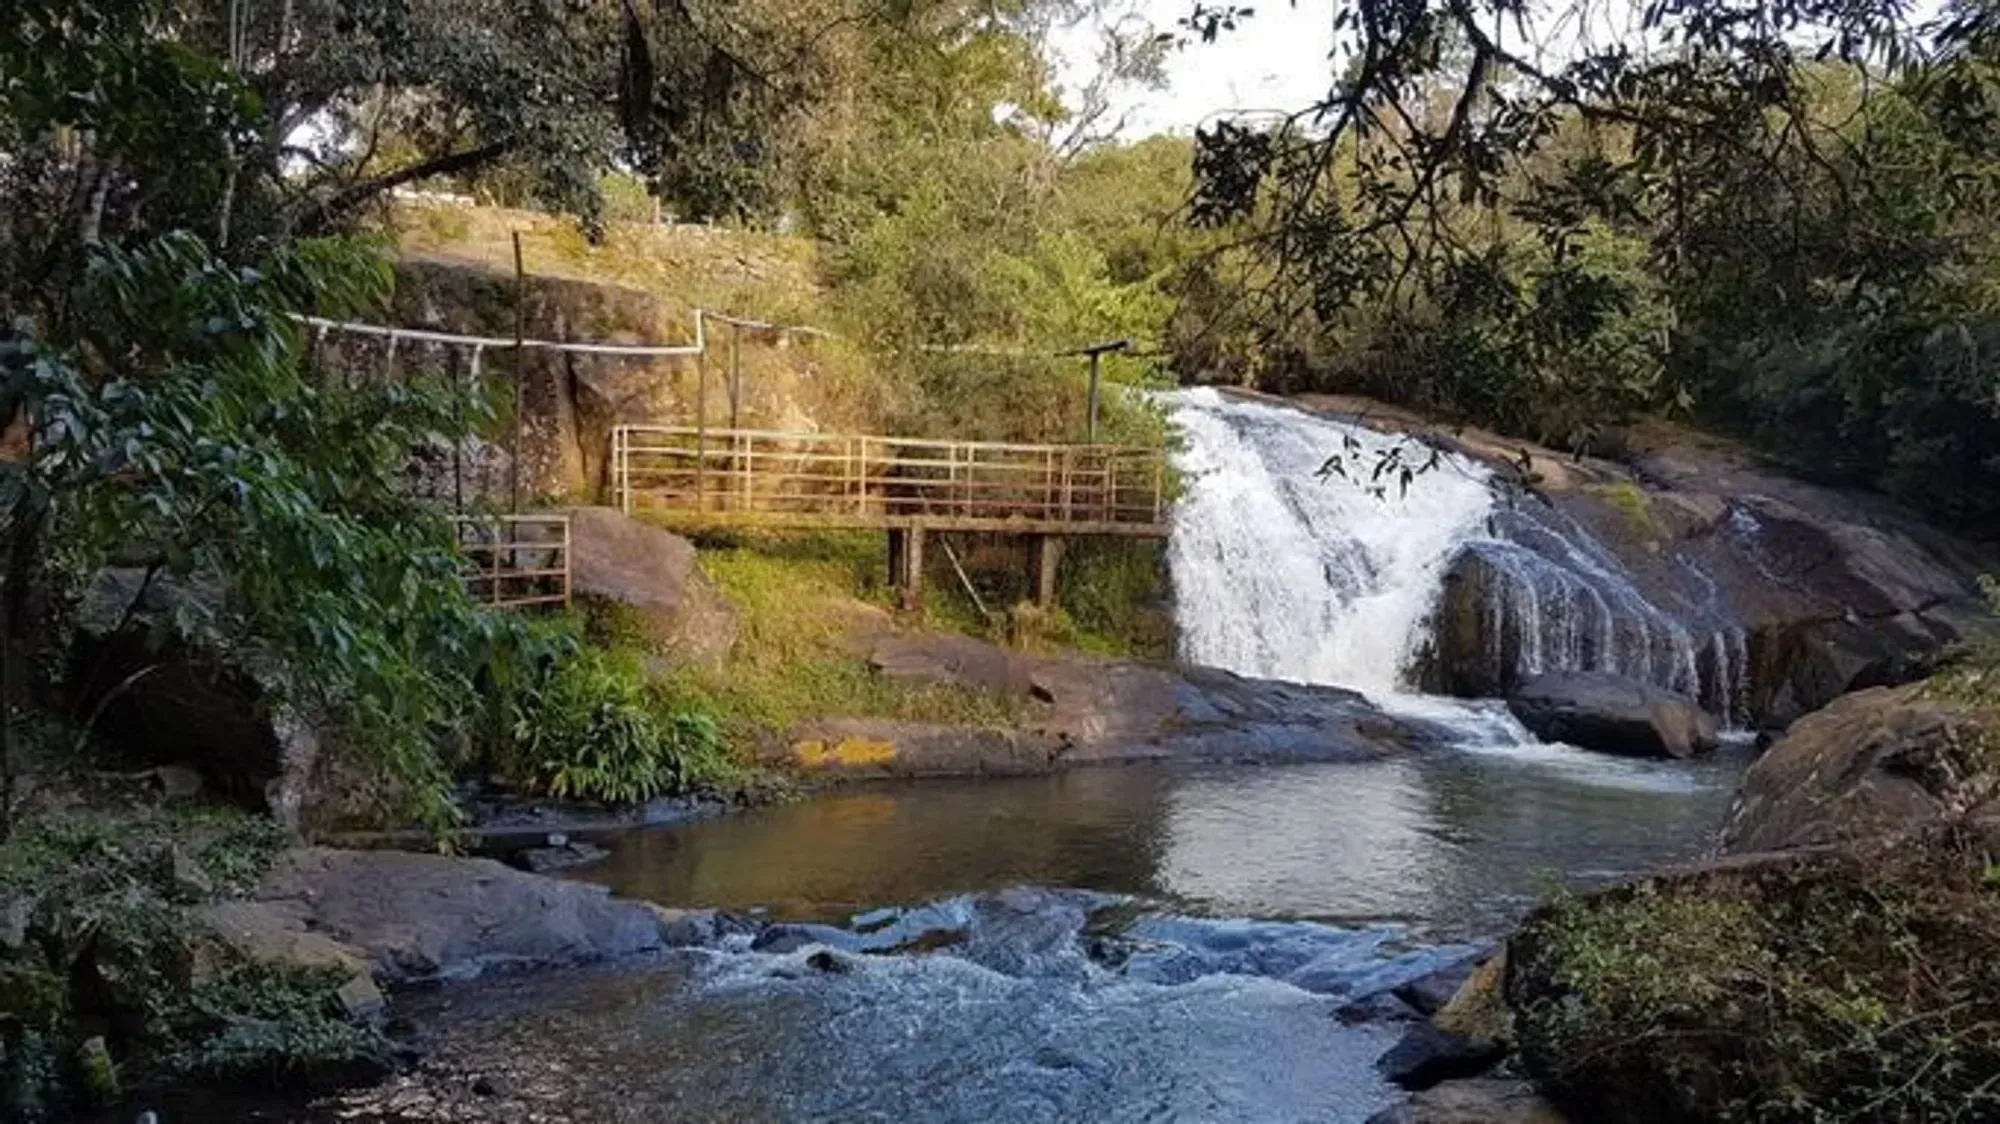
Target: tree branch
{"x": 451, "y": 163}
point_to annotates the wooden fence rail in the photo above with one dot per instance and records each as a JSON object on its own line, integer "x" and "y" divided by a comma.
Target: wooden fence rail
{"x": 758, "y": 477}
{"x": 513, "y": 561}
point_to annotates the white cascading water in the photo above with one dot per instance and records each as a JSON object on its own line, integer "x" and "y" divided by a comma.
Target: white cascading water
{"x": 1282, "y": 573}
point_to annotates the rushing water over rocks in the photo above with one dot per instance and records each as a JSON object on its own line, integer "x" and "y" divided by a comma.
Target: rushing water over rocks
{"x": 1033, "y": 1005}
{"x": 1286, "y": 570}
{"x": 1282, "y": 572}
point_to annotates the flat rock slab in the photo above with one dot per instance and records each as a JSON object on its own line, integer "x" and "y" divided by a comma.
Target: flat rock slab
{"x": 1079, "y": 710}
{"x": 418, "y": 917}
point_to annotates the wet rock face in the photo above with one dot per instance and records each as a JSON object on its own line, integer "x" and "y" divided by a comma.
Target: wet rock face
{"x": 1875, "y": 762}
{"x": 1614, "y": 714}
{"x": 1699, "y": 571}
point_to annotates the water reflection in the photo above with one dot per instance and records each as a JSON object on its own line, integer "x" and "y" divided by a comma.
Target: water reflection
{"x": 1458, "y": 843}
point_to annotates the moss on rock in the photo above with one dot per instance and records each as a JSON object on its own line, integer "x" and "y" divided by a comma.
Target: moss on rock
{"x": 1853, "y": 985}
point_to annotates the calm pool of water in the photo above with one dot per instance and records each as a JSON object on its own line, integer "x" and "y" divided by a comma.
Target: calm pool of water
{"x": 1458, "y": 843}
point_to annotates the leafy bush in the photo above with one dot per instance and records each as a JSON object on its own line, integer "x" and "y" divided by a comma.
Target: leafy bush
{"x": 1861, "y": 987}
{"x": 104, "y": 939}
{"x": 589, "y": 726}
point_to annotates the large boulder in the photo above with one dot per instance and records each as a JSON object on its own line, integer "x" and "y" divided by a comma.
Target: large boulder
{"x": 421, "y": 917}
{"x": 1876, "y": 762}
{"x": 1612, "y": 713}
{"x": 654, "y": 575}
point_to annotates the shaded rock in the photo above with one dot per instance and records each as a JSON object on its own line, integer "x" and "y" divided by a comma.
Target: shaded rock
{"x": 828, "y": 961}
{"x": 1874, "y": 762}
{"x": 1612, "y": 713}
{"x": 1782, "y": 594}
{"x": 1382, "y": 1007}
{"x": 546, "y": 860}
{"x": 1476, "y": 1101}
{"x": 1478, "y": 1009}
{"x": 1429, "y": 993}
{"x": 178, "y": 782}
{"x": 687, "y": 928}
{"x": 361, "y": 998}
{"x": 654, "y": 574}
{"x": 419, "y": 917}
{"x": 781, "y": 939}
{"x": 1426, "y": 1056}
{"x": 185, "y": 880}
{"x": 274, "y": 934}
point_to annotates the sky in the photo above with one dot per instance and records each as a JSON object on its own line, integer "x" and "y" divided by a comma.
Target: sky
{"x": 1276, "y": 61}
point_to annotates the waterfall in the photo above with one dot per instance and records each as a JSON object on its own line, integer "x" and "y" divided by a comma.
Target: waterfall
{"x": 1283, "y": 572}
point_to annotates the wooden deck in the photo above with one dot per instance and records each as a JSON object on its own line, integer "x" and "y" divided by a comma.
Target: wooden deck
{"x": 706, "y": 477}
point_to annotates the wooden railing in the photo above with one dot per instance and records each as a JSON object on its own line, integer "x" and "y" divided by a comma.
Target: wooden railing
{"x": 512, "y": 561}
{"x": 757, "y": 477}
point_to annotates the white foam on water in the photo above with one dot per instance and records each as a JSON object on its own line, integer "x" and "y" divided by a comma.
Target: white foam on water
{"x": 1283, "y": 570}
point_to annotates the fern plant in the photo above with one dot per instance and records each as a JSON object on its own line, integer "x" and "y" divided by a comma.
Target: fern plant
{"x": 589, "y": 728}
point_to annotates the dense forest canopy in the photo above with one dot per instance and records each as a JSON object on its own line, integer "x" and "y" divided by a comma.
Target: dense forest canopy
{"x": 1775, "y": 217}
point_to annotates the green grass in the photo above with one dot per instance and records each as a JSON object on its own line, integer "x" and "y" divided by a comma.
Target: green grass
{"x": 806, "y": 603}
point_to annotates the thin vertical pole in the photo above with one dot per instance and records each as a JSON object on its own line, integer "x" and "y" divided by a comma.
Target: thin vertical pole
{"x": 520, "y": 381}
{"x": 565, "y": 565}
{"x": 1094, "y": 362}
{"x": 469, "y": 386}
{"x": 1159, "y": 485}
{"x": 735, "y": 375}
{"x": 497, "y": 584}
{"x": 701, "y": 430}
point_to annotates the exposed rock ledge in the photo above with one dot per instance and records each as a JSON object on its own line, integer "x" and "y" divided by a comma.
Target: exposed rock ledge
{"x": 1795, "y": 591}
{"x": 406, "y": 918}
{"x": 1081, "y": 711}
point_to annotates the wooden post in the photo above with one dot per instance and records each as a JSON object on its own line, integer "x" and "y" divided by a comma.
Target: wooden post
{"x": 1048, "y": 560}
{"x": 1096, "y": 352}
{"x": 913, "y": 568}
{"x": 898, "y": 546}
